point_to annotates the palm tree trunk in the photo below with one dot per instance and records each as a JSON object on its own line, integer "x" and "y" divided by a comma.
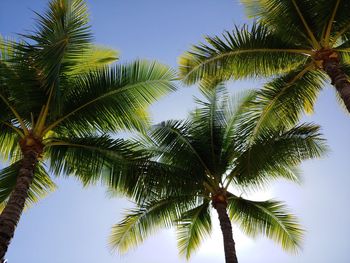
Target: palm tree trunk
{"x": 226, "y": 228}
{"x": 339, "y": 79}
{"x": 12, "y": 212}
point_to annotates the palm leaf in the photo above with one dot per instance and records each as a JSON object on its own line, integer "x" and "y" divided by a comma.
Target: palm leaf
{"x": 281, "y": 102}
{"x": 95, "y": 159}
{"x": 193, "y": 226}
{"x": 139, "y": 223}
{"x": 243, "y": 53}
{"x": 114, "y": 99}
{"x": 271, "y": 156}
{"x": 269, "y": 218}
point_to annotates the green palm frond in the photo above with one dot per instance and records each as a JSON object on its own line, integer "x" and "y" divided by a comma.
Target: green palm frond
{"x": 143, "y": 221}
{"x": 94, "y": 159}
{"x": 111, "y": 99}
{"x": 8, "y": 141}
{"x": 269, "y": 218}
{"x": 245, "y": 52}
{"x": 173, "y": 138}
{"x": 61, "y": 34}
{"x": 281, "y": 102}
{"x": 235, "y": 111}
{"x": 290, "y": 18}
{"x": 192, "y": 228}
{"x": 92, "y": 58}
{"x": 41, "y": 186}
{"x": 328, "y": 20}
{"x": 273, "y": 155}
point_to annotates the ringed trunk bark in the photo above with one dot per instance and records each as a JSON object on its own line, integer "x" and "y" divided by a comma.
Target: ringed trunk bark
{"x": 226, "y": 228}
{"x": 11, "y": 214}
{"x": 339, "y": 79}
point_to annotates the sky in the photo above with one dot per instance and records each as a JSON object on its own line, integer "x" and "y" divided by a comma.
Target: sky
{"x": 73, "y": 224}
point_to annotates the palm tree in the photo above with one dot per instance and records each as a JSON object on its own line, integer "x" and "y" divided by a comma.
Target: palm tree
{"x": 58, "y": 97}
{"x": 299, "y": 42}
{"x": 200, "y": 164}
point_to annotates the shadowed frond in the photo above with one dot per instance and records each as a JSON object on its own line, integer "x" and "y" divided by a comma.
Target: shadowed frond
{"x": 274, "y": 155}
{"x": 95, "y": 159}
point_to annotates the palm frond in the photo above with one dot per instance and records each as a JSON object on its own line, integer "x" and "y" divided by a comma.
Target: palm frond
{"x": 193, "y": 226}
{"x": 173, "y": 137}
{"x": 245, "y": 52}
{"x": 271, "y": 156}
{"x": 94, "y": 159}
{"x": 139, "y": 223}
{"x": 8, "y": 141}
{"x": 61, "y": 34}
{"x": 91, "y": 58}
{"x": 281, "y": 102}
{"x": 114, "y": 99}
{"x": 269, "y": 218}
{"x": 291, "y": 19}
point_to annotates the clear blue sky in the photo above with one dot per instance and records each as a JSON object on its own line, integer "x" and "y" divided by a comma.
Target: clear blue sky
{"x": 72, "y": 224}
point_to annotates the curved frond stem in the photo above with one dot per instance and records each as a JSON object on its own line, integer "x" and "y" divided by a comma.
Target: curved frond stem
{"x": 209, "y": 187}
{"x": 191, "y": 147}
{"x": 330, "y": 22}
{"x": 339, "y": 34}
{"x": 229, "y": 179}
{"x": 213, "y": 107}
{"x": 253, "y": 50}
{"x": 308, "y": 30}
{"x": 111, "y": 93}
{"x": 18, "y": 131}
{"x": 270, "y": 105}
{"x": 43, "y": 114}
{"x": 21, "y": 122}
{"x": 342, "y": 49}
{"x": 99, "y": 149}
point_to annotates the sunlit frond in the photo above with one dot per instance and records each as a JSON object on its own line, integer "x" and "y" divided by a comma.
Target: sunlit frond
{"x": 114, "y": 99}
{"x": 269, "y": 218}
{"x": 91, "y": 58}
{"x": 245, "y": 52}
{"x": 192, "y": 228}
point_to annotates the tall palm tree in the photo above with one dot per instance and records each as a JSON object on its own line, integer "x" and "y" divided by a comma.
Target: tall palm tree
{"x": 300, "y": 42}
{"x": 202, "y": 163}
{"x": 58, "y": 96}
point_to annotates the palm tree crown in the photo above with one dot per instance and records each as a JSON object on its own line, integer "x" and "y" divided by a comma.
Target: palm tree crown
{"x": 300, "y": 42}
{"x": 58, "y": 94}
{"x": 202, "y": 162}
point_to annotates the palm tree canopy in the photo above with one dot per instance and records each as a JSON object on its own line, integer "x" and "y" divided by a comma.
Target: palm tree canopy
{"x": 63, "y": 93}
{"x": 290, "y": 40}
{"x": 196, "y": 161}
